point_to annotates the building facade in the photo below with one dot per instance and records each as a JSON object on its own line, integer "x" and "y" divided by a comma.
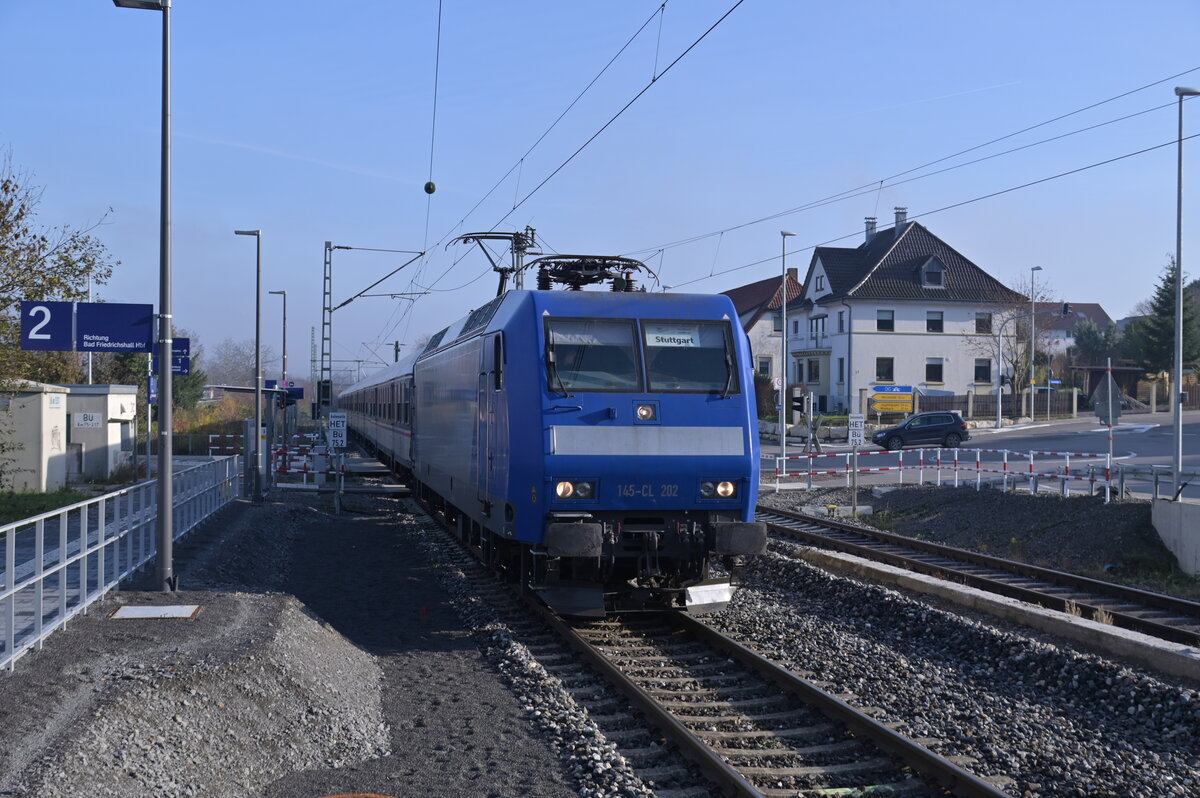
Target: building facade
{"x": 759, "y": 309}
{"x": 902, "y": 308}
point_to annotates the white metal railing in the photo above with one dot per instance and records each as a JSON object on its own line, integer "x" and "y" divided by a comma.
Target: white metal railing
{"x": 958, "y": 466}
{"x": 58, "y": 563}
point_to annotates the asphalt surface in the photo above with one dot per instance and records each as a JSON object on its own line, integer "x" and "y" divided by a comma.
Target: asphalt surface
{"x": 1141, "y": 440}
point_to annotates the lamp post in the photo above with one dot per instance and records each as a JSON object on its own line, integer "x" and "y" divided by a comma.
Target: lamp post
{"x": 1177, "y": 400}
{"x": 284, "y": 295}
{"x": 283, "y": 374}
{"x": 256, "y": 485}
{"x": 784, "y": 405}
{"x": 1032, "y": 345}
{"x": 165, "y": 569}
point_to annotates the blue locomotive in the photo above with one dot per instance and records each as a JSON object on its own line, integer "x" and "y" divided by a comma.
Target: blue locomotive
{"x": 601, "y": 446}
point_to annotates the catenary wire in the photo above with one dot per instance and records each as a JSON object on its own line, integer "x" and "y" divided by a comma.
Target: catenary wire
{"x": 953, "y": 205}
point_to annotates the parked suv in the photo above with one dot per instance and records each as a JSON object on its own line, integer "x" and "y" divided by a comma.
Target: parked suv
{"x": 938, "y": 428}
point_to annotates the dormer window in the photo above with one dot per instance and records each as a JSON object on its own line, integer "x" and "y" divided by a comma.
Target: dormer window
{"x": 933, "y": 274}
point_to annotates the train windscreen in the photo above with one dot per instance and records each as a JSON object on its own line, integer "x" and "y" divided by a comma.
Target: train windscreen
{"x": 690, "y": 357}
{"x": 592, "y": 355}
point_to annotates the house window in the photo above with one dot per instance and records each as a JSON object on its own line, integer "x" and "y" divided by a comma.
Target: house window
{"x": 983, "y": 370}
{"x": 816, "y": 328}
{"x": 764, "y": 366}
{"x": 885, "y": 320}
{"x": 933, "y": 321}
{"x": 933, "y": 369}
{"x": 814, "y": 371}
{"x": 841, "y": 370}
{"x": 778, "y": 322}
{"x": 934, "y": 276}
{"x": 820, "y": 282}
{"x": 983, "y": 323}
{"x": 841, "y": 321}
{"x": 795, "y": 328}
{"x": 884, "y": 371}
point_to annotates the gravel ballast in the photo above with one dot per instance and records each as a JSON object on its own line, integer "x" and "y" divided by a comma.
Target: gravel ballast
{"x": 1054, "y": 721}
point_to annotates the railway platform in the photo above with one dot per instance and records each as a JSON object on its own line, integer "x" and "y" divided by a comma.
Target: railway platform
{"x": 324, "y": 659}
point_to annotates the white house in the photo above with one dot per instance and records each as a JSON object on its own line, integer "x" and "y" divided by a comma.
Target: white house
{"x": 902, "y": 308}
{"x": 758, "y": 308}
{"x": 1061, "y": 328}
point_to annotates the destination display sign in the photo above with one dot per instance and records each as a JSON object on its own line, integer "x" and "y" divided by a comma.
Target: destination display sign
{"x": 880, "y": 405}
{"x": 113, "y": 327}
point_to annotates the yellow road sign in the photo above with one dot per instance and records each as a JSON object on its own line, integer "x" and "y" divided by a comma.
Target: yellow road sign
{"x": 891, "y": 406}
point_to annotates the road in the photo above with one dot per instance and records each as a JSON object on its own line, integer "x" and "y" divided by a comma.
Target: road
{"x": 1141, "y": 440}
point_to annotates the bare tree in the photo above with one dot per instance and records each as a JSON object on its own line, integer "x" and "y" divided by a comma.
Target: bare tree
{"x": 1009, "y": 331}
{"x": 232, "y": 363}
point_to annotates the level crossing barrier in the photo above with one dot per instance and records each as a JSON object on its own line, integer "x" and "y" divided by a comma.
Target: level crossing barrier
{"x": 59, "y": 563}
{"x": 955, "y": 466}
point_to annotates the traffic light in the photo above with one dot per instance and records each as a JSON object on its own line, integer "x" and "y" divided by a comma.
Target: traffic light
{"x": 1066, "y": 310}
{"x": 797, "y": 404}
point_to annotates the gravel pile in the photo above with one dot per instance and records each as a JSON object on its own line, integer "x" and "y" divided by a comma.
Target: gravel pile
{"x": 270, "y": 699}
{"x": 1055, "y": 721}
{"x": 595, "y": 763}
{"x": 1077, "y": 533}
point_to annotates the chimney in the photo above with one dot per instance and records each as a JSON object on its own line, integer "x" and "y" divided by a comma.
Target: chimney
{"x": 901, "y": 219}
{"x": 870, "y": 228}
{"x": 792, "y": 274}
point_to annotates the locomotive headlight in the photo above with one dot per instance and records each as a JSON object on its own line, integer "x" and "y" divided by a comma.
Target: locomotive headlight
{"x": 711, "y": 489}
{"x": 646, "y": 412}
{"x": 575, "y": 490}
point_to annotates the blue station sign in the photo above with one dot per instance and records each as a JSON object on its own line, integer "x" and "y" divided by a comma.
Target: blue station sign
{"x": 892, "y": 388}
{"x": 113, "y": 327}
{"x": 47, "y": 326}
{"x": 181, "y": 361}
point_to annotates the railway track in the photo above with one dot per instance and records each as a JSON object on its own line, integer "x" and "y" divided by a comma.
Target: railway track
{"x": 689, "y": 709}
{"x": 1161, "y": 616}
{"x": 752, "y": 727}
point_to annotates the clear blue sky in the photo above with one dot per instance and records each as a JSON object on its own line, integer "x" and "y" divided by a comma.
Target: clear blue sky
{"x": 312, "y": 121}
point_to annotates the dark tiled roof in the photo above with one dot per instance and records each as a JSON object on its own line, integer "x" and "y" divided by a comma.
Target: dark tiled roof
{"x": 887, "y": 268}
{"x": 757, "y": 298}
{"x": 1053, "y": 320}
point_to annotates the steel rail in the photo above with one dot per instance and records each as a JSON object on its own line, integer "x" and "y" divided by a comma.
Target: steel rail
{"x": 1099, "y": 588}
{"x": 941, "y": 770}
{"x": 692, "y": 747}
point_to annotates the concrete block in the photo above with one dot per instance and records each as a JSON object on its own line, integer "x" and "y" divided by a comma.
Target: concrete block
{"x": 1178, "y": 524}
{"x": 835, "y": 510}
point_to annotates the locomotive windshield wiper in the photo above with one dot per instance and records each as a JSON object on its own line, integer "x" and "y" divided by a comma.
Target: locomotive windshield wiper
{"x": 552, "y": 370}
{"x": 728, "y": 379}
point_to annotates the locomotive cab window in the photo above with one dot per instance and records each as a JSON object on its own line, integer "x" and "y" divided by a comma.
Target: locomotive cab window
{"x": 591, "y": 355}
{"x": 690, "y": 357}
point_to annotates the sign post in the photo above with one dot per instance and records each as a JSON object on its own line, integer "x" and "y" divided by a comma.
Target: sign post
{"x": 892, "y": 399}
{"x": 337, "y": 431}
{"x": 856, "y": 432}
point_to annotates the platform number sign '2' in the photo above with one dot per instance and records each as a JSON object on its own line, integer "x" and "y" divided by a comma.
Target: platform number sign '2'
{"x": 47, "y": 326}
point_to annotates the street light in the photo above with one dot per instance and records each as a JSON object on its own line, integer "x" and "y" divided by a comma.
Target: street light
{"x": 284, "y": 295}
{"x": 164, "y": 569}
{"x": 256, "y": 485}
{"x": 1177, "y": 460}
{"x": 283, "y": 374}
{"x": 783, "y": 386}
{"x": 1032, "y": 350}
